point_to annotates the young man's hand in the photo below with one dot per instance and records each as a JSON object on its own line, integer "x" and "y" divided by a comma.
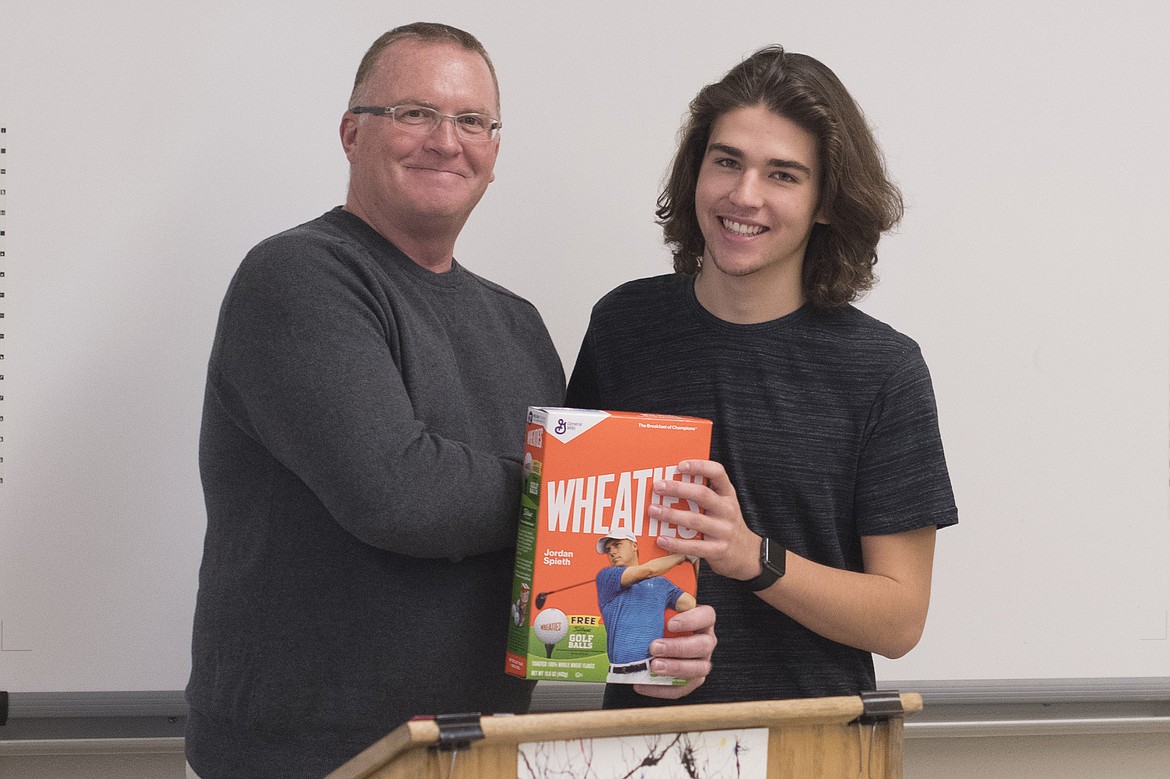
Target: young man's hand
{"x": 728, "y": 545}
{"x": 684, "y": 657}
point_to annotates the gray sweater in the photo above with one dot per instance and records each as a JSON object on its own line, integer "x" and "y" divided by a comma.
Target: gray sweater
{"x": 362, "y": 430}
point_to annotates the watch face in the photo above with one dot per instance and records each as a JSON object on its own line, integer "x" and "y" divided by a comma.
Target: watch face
{"x": 770, "y": 570}
{"x": 767, "y": 562}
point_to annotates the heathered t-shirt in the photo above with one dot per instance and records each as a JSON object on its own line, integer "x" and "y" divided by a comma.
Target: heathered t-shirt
{"x": 827, "y": 426}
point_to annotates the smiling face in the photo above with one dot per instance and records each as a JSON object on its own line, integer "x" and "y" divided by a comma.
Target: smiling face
{"x": 756, "y": 198}
{"x": 420, "y": 187}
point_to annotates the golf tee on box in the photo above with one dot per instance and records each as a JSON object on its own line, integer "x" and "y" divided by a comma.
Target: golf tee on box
{"x": 592, "y": 589}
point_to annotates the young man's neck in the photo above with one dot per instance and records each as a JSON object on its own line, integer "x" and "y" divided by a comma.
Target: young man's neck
{"x": 749, "y": 299}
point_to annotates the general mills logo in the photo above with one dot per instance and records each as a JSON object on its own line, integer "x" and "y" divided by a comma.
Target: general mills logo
{"x": 561, "y": 426}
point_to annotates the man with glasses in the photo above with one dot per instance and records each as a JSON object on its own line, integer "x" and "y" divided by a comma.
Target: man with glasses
{"x": 361, "y": 443}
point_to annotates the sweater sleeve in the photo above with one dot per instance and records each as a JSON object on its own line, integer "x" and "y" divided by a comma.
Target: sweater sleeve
{"x": 304, "y": 367}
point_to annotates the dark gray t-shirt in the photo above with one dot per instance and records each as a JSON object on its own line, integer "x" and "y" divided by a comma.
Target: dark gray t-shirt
{"x": 826, "y": 424}
{"x": 360, "y": 453}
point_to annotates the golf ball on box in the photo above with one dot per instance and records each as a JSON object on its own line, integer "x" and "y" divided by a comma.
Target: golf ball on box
{"x": 550, "y": 626}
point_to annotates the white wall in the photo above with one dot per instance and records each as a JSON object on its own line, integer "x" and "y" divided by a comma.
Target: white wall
{"x": 149, "y": 145}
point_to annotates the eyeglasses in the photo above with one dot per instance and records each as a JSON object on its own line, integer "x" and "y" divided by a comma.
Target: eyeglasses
{"x": 421, "y": 119}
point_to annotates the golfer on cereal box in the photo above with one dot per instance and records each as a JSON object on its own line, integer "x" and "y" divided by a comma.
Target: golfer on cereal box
{"x": 632, "y": 597}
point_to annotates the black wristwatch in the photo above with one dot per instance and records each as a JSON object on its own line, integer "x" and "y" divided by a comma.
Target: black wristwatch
{"x": 771, "y": 565}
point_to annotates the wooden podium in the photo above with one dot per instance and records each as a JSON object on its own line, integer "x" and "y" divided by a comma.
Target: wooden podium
{"x": 857, "y": 736}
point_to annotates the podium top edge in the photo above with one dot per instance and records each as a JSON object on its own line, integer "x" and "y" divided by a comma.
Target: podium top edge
{"x": 523, "y": 728}
{"x": 686, "y": 717}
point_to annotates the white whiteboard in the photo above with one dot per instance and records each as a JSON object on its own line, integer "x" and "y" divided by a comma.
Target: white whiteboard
{"x": 148, "y": 145}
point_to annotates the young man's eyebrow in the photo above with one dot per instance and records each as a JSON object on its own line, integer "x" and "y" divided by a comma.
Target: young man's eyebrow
{"x": 732, "y": 151}
{"x": 725, "y": 149}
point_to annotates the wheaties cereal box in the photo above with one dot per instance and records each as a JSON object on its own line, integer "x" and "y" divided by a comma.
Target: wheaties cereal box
{"x": 592, "y": 589}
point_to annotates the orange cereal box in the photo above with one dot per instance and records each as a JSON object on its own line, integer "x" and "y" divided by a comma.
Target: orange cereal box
{"x": 591, "y": 588}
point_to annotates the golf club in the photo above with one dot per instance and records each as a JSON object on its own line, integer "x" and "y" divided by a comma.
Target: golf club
{"x": 540, "y": 597}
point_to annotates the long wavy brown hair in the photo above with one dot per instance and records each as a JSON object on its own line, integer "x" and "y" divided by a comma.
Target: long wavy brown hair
{"x": 857, "y": 197}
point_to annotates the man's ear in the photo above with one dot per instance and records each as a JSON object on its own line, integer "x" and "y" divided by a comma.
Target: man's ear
{"x": 348, "y": 132}
{"x": 493, "y": 178}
